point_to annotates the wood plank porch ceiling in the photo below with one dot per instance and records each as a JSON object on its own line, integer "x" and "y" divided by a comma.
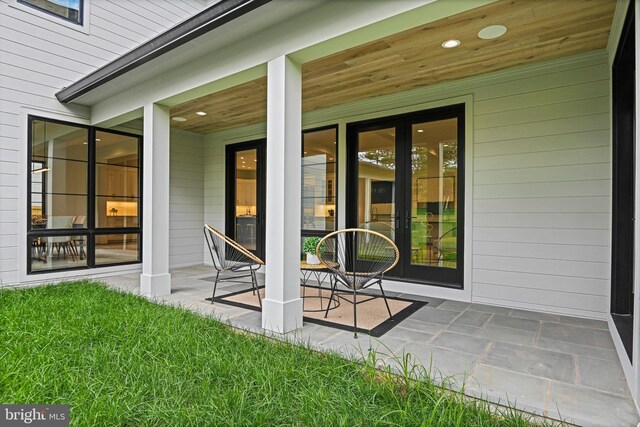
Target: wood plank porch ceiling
{"x": 538, "y": 30}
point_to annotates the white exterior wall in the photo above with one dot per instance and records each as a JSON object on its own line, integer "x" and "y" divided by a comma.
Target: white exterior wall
{"x": 214, "y": 179}
{"x": 540, "y": 197}
{"x": 186, "y": 198}
{"x": 39, "y": 55}
{"x": 542, "y": 190}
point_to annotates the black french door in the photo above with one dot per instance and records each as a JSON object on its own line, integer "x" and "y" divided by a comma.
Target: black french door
{"x": 406, "y": 181}
{"x": 245, "y": 194}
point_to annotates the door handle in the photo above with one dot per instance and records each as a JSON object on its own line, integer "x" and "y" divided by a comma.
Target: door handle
{"x": 407, "y": 220}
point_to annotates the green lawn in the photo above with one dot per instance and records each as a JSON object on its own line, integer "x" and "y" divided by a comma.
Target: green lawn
{"x": 118, "y": 359}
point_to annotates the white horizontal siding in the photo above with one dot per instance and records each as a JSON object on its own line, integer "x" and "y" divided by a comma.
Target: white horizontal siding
{"x": 39, "y": 55}
{"x": 214, "y": 178}
{"x": 542, "y": 191}
{"x": 186, "y": 198}
{"x": 558, "y": 251}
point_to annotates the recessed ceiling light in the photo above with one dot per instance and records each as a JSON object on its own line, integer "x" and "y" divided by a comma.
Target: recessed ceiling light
{"x": 420, "y": 130}
{"x": 85, "y": 143}
{"x": 254, "y": 160}
{"x": 178, "y": 119}
{"x": 305, "y": 152}
{"x": 450, "y": 43}
{"x": 330, "y": 158}
{"x": 98, "y": 139}
{"x": 492, "y": 32}
{"x": 201, "y": 113}
{"x": 241, "y": 158}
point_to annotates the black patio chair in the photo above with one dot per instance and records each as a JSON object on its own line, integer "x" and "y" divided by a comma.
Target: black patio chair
{"x": 359, "y": 259}
{"x": 228, "y": 256}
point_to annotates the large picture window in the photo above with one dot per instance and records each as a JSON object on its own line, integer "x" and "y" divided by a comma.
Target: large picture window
{"x": 84, "y": 196}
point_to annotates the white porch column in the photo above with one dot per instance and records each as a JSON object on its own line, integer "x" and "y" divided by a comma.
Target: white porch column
{"x": 282, "y": 305}
{"x": 155, "y": 279}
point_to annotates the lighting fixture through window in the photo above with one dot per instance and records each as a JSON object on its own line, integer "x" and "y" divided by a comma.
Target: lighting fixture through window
{"x": 451, "y": 43}
{"x": 201, "y": 113}
{"x": 178, "y": 119}
{"x": 420, "y": 130}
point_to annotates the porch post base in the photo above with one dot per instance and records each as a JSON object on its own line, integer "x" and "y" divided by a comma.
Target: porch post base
{"x": 155, "y": 285}
{"x": 281, "y": 317}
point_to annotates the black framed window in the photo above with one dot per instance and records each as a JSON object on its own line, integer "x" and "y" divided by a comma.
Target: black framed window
{"x": 319, "y": 181}
{"x": 84, "y": 199}
{"x": 69, "y": 10}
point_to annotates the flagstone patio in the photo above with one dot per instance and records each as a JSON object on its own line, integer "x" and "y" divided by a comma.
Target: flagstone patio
{"x": 557, "y": 366}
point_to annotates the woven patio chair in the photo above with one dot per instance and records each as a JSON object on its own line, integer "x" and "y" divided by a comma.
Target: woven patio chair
{"x": 229, "y": 257}
{"x": 359, "y": 259}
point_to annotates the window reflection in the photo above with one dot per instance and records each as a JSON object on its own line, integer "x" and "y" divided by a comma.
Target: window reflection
{"x": 434, "y": 169}
{"x": 58, "y": 252}
{"x": 117, "y": 186}
{"x": 116, "y": 248}
{"x": 319, "y": 155}
{"x": 58, "y": 174}
{"x": 376, "y": 181}
{"x": 70, "y": 10}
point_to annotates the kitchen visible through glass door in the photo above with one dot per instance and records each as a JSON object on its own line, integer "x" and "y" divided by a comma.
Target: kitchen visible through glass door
{"x": 246, "y": 198}
{"x": 245, "y": 195}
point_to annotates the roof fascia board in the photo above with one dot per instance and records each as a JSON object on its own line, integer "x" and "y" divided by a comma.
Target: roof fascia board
{"x": 190, "y": 29}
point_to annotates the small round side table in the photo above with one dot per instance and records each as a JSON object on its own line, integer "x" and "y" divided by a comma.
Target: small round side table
{"x": 321, "y": 272}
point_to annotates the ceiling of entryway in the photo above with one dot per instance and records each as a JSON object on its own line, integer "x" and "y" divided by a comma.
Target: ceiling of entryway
{"x": 538, "y": 30}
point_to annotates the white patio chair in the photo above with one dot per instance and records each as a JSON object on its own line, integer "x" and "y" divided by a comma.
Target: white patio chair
{"x": 359, "y": 259}
{"x": 228, "y": 256}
